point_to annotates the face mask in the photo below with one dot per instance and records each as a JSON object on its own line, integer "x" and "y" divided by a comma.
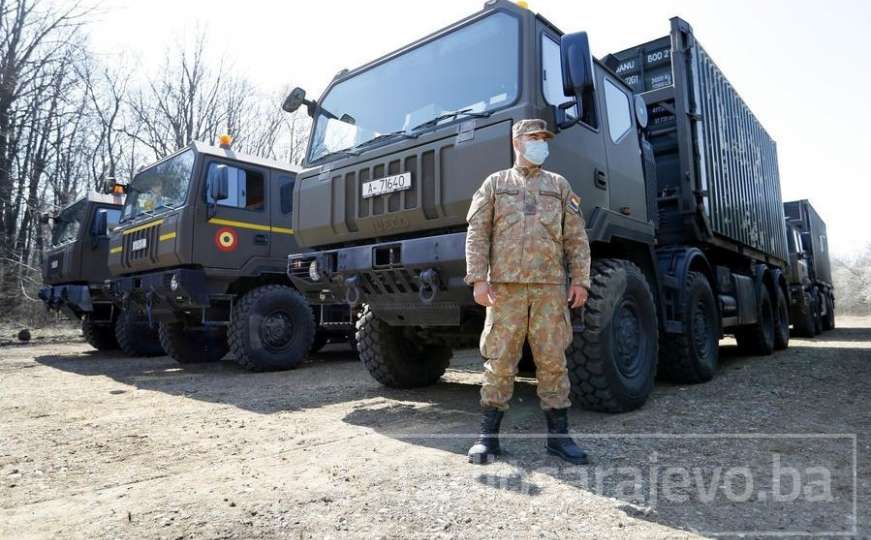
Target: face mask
{"x": 535, "y": 151}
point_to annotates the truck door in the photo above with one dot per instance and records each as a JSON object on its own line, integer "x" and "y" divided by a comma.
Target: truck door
{"x": 622, "y": 148}
{"x": 281, "y": 193}
{"x": 578, "y": 153}
{"x": 96, "y": 248}
{"x": 237, "y": 234}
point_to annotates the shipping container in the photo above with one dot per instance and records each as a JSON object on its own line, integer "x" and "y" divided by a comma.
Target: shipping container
{"x": 717, "y": 174}
{"x": 814, "y": 238}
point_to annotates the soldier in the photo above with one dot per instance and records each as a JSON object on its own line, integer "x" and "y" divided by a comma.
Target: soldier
{"x": 525, "y": 227}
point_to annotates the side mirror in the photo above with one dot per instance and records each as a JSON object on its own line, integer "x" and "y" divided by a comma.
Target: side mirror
{"x": 577, "y": 64}
{"x": 295, "y": 99}
{"x": 219, "y": 184}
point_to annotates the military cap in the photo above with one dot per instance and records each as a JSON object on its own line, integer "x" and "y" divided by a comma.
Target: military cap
{"x": 530, "y": 126}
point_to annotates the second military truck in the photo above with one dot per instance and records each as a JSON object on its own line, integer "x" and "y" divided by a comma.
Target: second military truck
{"x": 201, "y": 248}
{"x": 75, "y": 268}
{"x": 812, "y": 296}
{"x": 678, "y": 181}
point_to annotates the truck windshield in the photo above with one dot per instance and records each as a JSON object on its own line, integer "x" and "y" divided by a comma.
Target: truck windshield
{"x": 160, "y": 186}
{"x": 474, "y": 69}
{"x": 68, "y": 223}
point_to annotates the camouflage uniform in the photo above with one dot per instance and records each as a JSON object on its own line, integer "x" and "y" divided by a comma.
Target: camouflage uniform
{"x": 525, "y": 227}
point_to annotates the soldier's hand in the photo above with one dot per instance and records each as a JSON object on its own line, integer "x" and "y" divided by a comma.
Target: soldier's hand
{"x": 577, "y": 296}
{"x": 484, "y": 294}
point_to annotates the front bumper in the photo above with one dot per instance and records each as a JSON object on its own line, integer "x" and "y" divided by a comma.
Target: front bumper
{"x": 163, "y": 292}
{"x": 409, "y": 282}
{"x": 74, "y": 300}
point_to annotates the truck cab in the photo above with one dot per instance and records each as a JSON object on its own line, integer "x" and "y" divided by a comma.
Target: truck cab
{"x": 75, "y": 267}
{"x": 200, "y": 248}
{"x": 682, "y": 252}
{"x": 811, "y": 293}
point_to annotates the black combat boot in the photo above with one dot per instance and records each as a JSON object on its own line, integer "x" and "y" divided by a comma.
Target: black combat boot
{"x": 558, "y": 441}
{"x": 487, "y": 447}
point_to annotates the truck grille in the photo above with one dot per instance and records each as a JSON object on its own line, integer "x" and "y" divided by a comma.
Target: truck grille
{"x": 398, "y": 280}
{"x": 151, "y": 235}
{"x": 422, "y": 194}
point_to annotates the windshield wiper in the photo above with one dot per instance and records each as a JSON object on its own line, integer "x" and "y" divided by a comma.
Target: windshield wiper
{"x": 343, "y": 152}
{"x": 400, "y": 133}
{"x": 448, "y": 116}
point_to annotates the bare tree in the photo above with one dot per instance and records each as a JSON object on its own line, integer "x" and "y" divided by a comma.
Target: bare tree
{"x": 852, "y": 277}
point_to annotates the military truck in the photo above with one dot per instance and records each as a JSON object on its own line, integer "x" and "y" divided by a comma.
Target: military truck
{"x": 201, "y": 248}
{"x": 811, "y": 294}
{"x": 678, "y": 180}
{"x": 74, "y": 270}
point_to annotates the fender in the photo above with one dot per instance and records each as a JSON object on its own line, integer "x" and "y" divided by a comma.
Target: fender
{"x": 674, "y": 267}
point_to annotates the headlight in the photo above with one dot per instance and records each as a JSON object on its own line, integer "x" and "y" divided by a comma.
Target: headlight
{"x": 173, "y": 283}
{"x": 314, "y": 271}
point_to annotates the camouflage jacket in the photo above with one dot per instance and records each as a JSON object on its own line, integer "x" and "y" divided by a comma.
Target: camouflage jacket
{"x": 526, "y": 226}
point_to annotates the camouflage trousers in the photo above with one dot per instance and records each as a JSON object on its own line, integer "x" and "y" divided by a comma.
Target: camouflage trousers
{"x": 539, "y": 313}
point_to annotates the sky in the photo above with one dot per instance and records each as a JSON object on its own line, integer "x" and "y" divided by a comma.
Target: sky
{"x": 803, "y": 67}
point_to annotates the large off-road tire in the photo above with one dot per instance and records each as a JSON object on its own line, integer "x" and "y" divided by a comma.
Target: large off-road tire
{"x": 135, "y": 337}
{"x": 758, "y": 338}
{"x": 100, "y": 336}
{"x": 271, "y": 328}
{"x": 395, "y": 358}
{"x": 193, "y": 345}
{"x": 692, "y": 357}
{"x": 817, "y": 312}
{"x": 612, "y": 362}
{"x": 829, "y": 319}
{"x": 781, "y": 320}
{"x": 803, "y": 325}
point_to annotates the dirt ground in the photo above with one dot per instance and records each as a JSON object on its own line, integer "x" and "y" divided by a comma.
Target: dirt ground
{"x": 99, "y": 445}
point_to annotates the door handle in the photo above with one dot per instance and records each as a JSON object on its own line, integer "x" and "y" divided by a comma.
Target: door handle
{"x": 261, "y": 239}
{"x": 600, "y": 179}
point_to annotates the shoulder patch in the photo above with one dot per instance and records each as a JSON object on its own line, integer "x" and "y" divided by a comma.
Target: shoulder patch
{"x": 575, "y": 203}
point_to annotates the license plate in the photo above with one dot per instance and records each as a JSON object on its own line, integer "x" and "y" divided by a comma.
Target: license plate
{"x": 388, "y": 184}
{"x": 54, "y": 264}
{"x": 139, "y": 244}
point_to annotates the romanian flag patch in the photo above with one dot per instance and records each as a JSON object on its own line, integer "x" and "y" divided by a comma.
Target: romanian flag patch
{"x": 575, "y": 203}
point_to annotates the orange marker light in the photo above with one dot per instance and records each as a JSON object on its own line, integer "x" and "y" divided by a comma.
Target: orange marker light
{"x": 225, "y": 140}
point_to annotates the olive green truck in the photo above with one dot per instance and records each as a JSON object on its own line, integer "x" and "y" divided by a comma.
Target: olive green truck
{"x": 200, "y": 248}
{"x": 75, "y": 267}
{"x": 679, "y": 185}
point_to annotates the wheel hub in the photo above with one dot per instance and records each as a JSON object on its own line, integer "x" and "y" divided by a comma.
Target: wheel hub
{"x": 701, "y": 329}
{"x": 276, "y": 330}
{"x": 627, "y": 334}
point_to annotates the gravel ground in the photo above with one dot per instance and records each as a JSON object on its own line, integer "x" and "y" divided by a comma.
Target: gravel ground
{"x": 99, "y": 445}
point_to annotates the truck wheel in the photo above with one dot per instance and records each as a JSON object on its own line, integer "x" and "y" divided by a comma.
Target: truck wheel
{"x": 99, "y": 336}
{"x": 134, "y": 335}
{"x": 817, "y": 312}
{"x": 804, "y": 326}
{"x": 318, "y": 342}
{"x": 396, "y": 359}
{"x": 692, "y": 357}
{"x": 758, "y": 338}
{"x": 781, "y": 321}
{"x": 192, "y": 346}
{"x": 829, "y": 322}
{"x": 272, "y": 328}
{"x": 612, "y": 363}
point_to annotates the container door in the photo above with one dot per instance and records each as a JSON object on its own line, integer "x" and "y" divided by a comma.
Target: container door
{"x": 238, "y": 231}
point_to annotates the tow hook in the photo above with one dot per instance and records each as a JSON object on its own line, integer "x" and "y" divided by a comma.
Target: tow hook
{"x": 429, "y": 285}
{"x": 352, "y": 290}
